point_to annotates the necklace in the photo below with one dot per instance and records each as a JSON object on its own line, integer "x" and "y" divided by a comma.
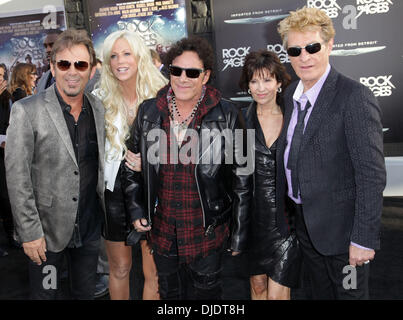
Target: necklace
{"x": 131, "y": 109}
{"x": 174, "y": 112}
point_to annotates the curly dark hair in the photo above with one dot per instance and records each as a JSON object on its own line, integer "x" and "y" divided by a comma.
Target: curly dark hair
{"x": 196, "y": 44}
{"x": 256, "y": 62}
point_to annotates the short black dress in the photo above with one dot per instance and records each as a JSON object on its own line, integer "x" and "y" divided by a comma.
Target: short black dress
{"x": 269, "y": 252}
{"x": 117, "y": 225}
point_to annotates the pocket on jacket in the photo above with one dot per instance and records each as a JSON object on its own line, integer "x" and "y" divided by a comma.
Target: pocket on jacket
{"x": 43, "y": 199}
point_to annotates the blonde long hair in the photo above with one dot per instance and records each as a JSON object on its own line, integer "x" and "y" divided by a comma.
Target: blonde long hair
{"x": 148, "y": 82}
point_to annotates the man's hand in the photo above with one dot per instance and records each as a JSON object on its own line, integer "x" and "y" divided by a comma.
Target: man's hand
{"x": 3, "y": 145}
{"x": 140, "y": 227}
{"x": 358, "y": 256}
{"x": 133, "y": 161}
{"x": 235, "y": 253}
{"x": 35, "y": 250}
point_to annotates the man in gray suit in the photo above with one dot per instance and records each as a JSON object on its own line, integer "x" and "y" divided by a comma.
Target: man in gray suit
{"x": 55, "y": 167}
{"x": 330, "y": 155}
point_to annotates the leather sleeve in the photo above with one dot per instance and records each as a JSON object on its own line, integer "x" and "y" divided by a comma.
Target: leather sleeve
{"x": 242, "y": 174}
{"x": 132, "y": 182}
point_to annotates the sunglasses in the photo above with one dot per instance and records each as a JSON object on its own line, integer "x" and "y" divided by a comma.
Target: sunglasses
{"x": 192, "y": 73}
{"x": 64, "y": 65}
{"x": 310, "y": 48}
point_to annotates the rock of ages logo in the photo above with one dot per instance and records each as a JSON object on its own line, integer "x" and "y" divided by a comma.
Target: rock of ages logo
{"x": 373, "y": 6}
{"x": 329, "y": 6}
{"x": 234, "y": 57}
{"x": 280, "y": 51}
{"x": 361, "y": 7}
{"x": 381, "y": 86}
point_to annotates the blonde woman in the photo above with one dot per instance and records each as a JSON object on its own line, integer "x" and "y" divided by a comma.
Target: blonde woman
{"x": 128, "y": 77}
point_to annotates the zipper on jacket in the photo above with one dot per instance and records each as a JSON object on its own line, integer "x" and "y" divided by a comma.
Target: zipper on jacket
{"x": 201, "y": 200}
{"x": 148, "y": 195}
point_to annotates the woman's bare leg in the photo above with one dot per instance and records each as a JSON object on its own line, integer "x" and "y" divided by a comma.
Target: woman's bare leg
{"x": 120, "y": 263}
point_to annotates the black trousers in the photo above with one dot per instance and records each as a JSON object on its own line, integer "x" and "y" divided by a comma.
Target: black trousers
{"x": 331, "y": 277}
{"x": 82, "y": 263}
{"x": 198, "y": 280}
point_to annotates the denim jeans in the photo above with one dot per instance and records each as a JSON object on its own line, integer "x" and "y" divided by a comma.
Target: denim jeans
{"x": 82, "y": 263}
{"x": 198, "y": 280}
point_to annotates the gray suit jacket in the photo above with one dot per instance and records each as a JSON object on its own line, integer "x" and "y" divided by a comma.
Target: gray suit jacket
{"x": 341, "y": 167}
{"x": 40, "y": 166}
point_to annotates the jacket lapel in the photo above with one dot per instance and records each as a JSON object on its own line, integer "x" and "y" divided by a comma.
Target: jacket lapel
{"x": 99, "y": 118}
{"x": 153, "y": 120}
{"x": 53, "y": 107}
{"x": 288, "y": 108}
{"x": 321, "y": 107}
{"x": 252, "y": 122}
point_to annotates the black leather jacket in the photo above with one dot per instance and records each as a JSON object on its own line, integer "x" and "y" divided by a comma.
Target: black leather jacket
{"x": 222, "y": 190}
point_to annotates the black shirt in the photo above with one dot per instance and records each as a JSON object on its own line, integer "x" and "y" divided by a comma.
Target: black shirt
{"x": 18, "y": 94}
{"x": 84, "y": 139}
{"x": 4, "y": 116}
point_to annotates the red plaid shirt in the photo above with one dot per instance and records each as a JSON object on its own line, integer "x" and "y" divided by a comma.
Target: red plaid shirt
{"x": 178, "y": 222}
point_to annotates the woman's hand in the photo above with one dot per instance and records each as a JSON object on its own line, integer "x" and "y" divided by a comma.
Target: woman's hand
{"x": 133, "y": 161}
{"x": 139, "y": 225}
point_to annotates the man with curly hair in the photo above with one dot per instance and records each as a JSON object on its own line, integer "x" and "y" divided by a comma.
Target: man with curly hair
{"x": 188, "y": 203}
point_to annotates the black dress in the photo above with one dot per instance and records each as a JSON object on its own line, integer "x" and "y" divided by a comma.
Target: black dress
{"x": 269, "y": 252}
{"x": 117, "y": 225}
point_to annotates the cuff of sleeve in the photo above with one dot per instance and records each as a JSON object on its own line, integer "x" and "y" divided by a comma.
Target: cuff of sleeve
{"x": 358, "y": 246}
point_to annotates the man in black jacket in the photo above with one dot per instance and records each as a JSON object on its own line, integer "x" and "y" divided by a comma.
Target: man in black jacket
{"x": 188, "y": 187}
{"x": 331, "y": 153}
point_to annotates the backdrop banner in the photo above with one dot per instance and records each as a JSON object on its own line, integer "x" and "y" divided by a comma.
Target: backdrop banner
{"x": 366, "y": 47}
{"x": 159, "y": 23}
{"x": 22, "y": 35}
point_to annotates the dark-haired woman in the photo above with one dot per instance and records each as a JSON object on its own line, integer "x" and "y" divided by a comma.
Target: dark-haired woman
{"x": 274, "y": 258}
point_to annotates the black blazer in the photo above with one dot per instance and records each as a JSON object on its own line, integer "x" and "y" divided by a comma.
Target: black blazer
{"x": 341, "y": 167}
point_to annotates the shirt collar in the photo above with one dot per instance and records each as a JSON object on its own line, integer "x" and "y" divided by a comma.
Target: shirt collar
{"x": 313, "y": 93}
{"x": 66, "y": 107}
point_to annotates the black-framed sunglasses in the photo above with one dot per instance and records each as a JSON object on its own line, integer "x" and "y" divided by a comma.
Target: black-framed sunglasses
{"x": 64, "y": 65}
{"x": 192, "y": 73}
{"x": 310, "y": 48}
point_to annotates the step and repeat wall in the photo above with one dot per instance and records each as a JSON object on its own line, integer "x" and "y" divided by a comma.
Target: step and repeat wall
{"x": 368, "y": 46}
